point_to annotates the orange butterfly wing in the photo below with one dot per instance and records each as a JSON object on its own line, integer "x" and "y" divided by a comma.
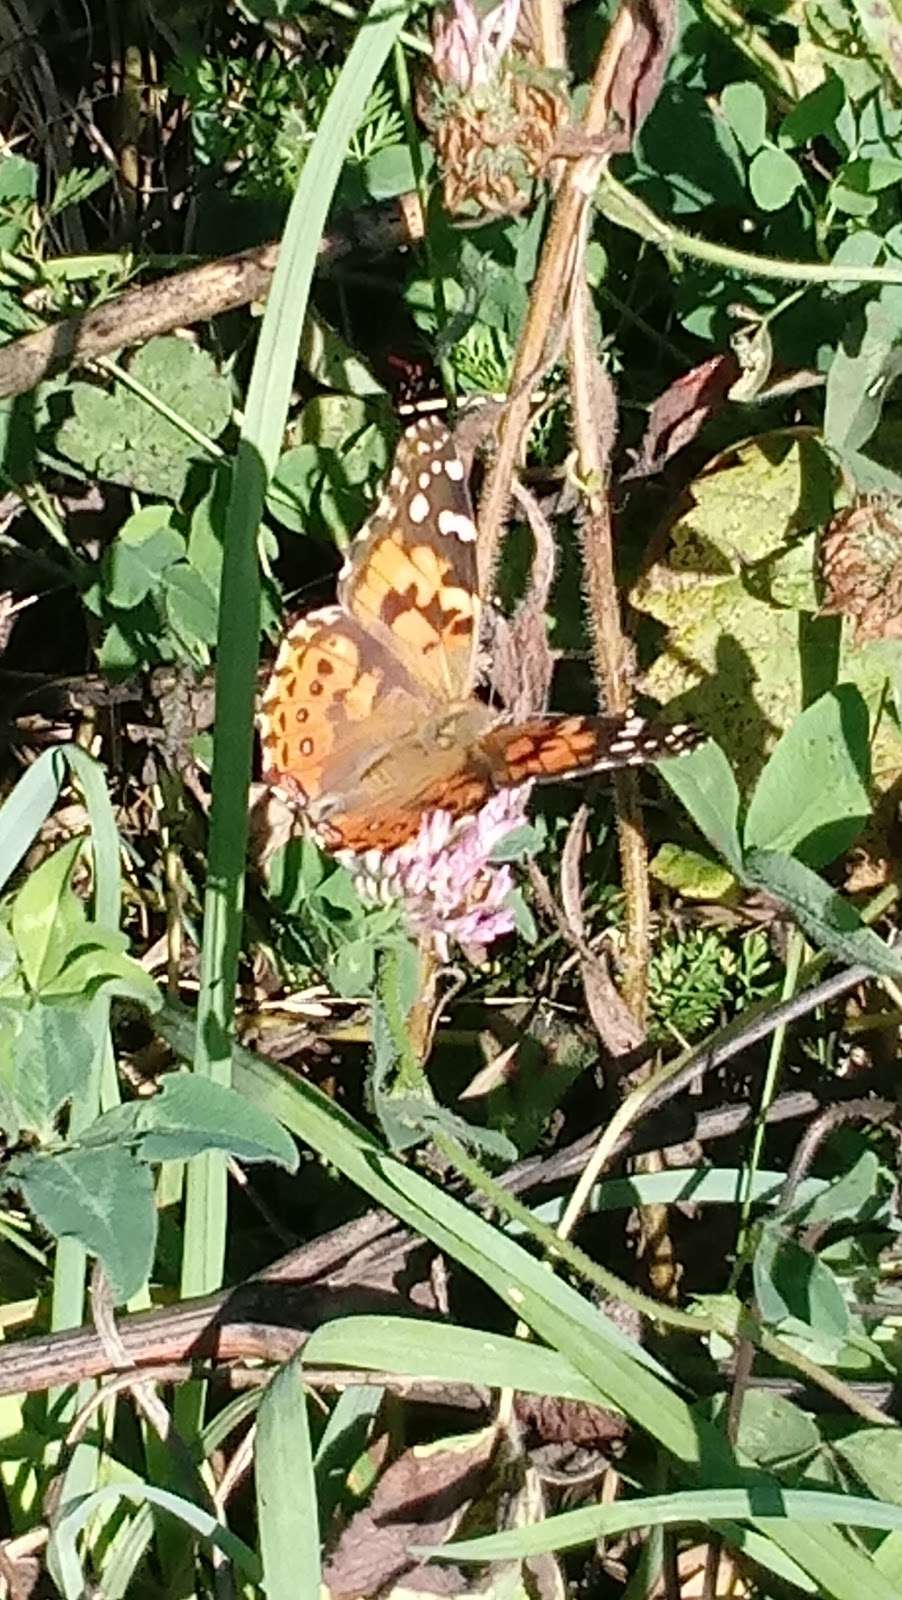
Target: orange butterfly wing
{"x": 368, "y": 720}
{"x": 410, "y": 579}
{"x": 331, "y": 688}
{"x": 542, "y": 750}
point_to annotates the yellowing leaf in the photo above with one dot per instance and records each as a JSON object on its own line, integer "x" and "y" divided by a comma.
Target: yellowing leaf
{"x": 736, "y": 591}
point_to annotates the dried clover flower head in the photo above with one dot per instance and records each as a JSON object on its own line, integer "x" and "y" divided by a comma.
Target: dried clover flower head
{"x": 468, "y": 48}
{"x": 450, "y": 888}
{"x": 860, "y": 561}
{"x": 494, "y": 115}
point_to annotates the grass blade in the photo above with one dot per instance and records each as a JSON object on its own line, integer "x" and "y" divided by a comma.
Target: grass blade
{"x": 286, "y": 1491}
{"x": 266, "y": 411}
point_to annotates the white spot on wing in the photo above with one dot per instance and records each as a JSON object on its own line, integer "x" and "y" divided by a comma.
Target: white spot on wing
{"x": 418, "y": 509}
{"x": 454, "y": 469}
{"x": 424, "y": 479}
{"x": 454, "y": 524}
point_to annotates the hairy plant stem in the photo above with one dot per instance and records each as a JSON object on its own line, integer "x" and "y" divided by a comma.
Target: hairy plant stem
{"x": 626, "y": 210}
{"x": 593, "y": 410}
{"x": 550, "y": 293}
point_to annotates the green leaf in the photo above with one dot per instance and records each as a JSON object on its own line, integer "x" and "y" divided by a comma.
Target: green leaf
{"x": 191, "y": 605}
{"x": 704, "y": 782}
{"x": 144, "y": 547}
{"x": 745, "y": 108}
{"x": 287, "y": 1514}
{"x": 192, "y": 1114}
{"x": 875, "y": 1456}
{"x": 18, "y": 178}
{"x": 389, "y": 172}
{"x": 297, "y": 480}
{"x": 524, "y": 921}
{"x": 862, "y": 372}
{"x": 790, "y": 1282}
{"x": 121, "y": 651}
{"x": 773, "y": 1432}
{"x": 774, "y": 178}
{"x": 860, "y": 249}
{"x": 52, "y": 1058}
{"x": 691, "y": 874}
{"x": 815, "y": 114}
{"x": 207, "y": 530}
{"x": 352, "y": 968}
{"x": 120, "y": 437}
{"x": 46, "y": 915}
{"x": 95, "y": 968}
{"x": 102, "y": 1198}
{"x": 812, "y": 798}
{"x": 333, "y": 361}
{"x": 74, "y": 187}
{"x": 522, "y": 842}
{"x": 821, "y": 913}
{"x": 852, "y": 1194}
{"x": 851, "y": 201}
{"x": 870, "y": 175}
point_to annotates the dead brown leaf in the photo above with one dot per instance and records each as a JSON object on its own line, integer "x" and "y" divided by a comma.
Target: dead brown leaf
{"x": 641, "y": 67}
{"x": 679, "y": 413}
{"x": 419, "y": 1500}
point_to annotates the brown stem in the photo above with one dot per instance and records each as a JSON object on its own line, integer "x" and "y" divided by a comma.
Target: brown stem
{"x": 182, "y": 299}
{"x": 549, "y": 294}
{"x": 593, "y": 410}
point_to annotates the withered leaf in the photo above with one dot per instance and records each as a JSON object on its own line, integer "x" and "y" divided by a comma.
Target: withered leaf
{"x": 419, "y": 1500}
{"x": 679, "y": 413}
{"x": 641, "y": 68}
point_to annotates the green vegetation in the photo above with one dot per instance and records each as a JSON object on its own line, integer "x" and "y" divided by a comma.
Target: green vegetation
{"x": 540, "y": 1179}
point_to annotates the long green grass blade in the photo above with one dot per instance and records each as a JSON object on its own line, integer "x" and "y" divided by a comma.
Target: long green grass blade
{"x": 264, "y": 424}
{"x": 286, "y": 1491}
{"x": 104, "y": 835}
{"x": 446, "y": 1354}
{"x": 25, "y": 811}
{"x": 63, "y": 1557}
{"x": 709, "y": 1507}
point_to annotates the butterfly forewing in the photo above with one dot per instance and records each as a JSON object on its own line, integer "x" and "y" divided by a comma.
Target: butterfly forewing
{"x": 541, "y": 750}
{"x": 411, "y": 577}
{"x": 552, "y": 747}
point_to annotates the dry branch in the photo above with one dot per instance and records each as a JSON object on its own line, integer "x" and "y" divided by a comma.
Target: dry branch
{"x": 184, "y": 299}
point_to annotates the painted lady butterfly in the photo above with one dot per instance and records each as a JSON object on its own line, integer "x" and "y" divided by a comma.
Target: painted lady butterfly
{"x": 369, "y": 721}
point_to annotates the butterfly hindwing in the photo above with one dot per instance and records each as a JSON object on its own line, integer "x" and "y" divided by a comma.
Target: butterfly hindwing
{"x": 333, "y": 688}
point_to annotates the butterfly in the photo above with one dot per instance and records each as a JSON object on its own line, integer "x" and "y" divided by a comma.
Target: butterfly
{"x": 370, "y": 720}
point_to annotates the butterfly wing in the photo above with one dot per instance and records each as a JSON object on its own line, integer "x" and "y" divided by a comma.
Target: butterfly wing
{"x": 461, "y": 779}
{"x": 335, "y": 704}
{"x": 545, "y": 749}
{"x": 410, "y": 580}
